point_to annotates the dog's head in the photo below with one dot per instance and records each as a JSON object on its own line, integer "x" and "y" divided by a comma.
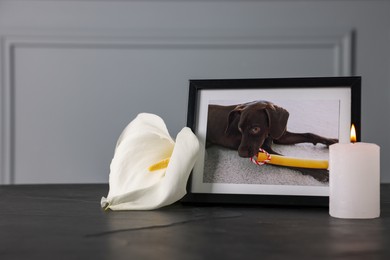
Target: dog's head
{"x": 256, "y": 121}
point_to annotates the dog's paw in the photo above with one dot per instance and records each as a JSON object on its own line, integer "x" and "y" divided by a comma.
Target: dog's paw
{"x": 320, "y": 175}
{"x": 331, "y": 141}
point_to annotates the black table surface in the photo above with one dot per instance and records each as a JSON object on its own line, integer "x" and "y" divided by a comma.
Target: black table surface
{"x": 66, "y": 222}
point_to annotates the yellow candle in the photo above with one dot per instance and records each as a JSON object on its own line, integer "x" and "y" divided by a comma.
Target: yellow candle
{"x": 159, "y": 165}
{"x": 293, "y": 161}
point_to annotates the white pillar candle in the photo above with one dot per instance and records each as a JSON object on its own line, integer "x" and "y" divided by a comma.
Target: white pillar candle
{"x": 354, "y": 180}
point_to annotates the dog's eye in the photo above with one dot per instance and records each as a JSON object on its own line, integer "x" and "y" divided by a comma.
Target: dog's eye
{"x": 255, "y": 130}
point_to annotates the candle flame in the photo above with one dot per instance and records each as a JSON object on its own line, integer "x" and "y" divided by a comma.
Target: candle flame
{"x": 353, "y": 134}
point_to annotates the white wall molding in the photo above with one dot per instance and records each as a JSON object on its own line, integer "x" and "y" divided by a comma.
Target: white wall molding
{"x": 339, "y": 42}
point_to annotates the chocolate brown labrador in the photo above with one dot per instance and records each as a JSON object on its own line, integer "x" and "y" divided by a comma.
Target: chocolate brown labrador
{"x": 250, "y": 126}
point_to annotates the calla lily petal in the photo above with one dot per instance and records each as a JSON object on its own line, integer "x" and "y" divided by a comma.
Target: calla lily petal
{"x": 143, "y": 143}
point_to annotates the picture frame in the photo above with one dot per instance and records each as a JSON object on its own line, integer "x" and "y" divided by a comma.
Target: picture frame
{"x": 325, "y": 106}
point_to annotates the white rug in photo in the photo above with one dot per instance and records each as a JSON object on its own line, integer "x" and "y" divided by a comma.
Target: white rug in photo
{"x": 225, "y": 166}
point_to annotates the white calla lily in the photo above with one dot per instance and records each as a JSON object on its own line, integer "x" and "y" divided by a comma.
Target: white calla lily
{"x": 142, "y": 144}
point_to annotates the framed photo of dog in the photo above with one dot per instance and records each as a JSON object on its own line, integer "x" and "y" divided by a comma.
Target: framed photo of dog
{"x": 265, "y": 141}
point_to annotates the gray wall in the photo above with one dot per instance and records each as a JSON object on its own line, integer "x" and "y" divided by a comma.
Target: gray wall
{"x": 75, "y": 72}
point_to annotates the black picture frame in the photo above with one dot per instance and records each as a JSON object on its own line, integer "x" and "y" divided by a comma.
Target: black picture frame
{"x": 345, "y": 89}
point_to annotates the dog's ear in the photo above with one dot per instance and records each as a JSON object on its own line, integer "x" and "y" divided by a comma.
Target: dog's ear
{"x": 233, "y": 119}
{"x": 277, "y": 120}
